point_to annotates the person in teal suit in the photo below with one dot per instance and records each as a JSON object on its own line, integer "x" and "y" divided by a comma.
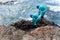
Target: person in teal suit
{"x": 42, "y": 9}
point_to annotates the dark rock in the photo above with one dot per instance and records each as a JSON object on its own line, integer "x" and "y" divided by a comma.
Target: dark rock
{"x": 26, "y": 25}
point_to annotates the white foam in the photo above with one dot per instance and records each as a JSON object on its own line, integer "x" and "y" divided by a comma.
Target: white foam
{"x": 54, "y": 8}
{"x": 53, "y": 4}
{"x": 5, "y": 0}
{"x": 53, "y": 1}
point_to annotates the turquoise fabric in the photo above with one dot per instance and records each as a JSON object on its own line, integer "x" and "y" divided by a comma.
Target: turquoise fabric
{"x": 37, "y": 16}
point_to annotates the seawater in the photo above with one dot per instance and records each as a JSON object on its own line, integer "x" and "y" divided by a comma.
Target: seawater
{"x": 21, "y": 9}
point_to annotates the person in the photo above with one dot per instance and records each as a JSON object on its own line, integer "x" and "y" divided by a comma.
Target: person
{"x": 35, "y": 17}
{"x": 42, "y": 10}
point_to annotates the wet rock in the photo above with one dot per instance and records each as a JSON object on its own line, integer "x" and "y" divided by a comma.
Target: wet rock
{"x": 26, "y": 25}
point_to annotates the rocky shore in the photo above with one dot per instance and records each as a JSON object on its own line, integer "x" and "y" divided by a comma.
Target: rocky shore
{"x": 24, "y": 31}
{"x": 41, "y": 33}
